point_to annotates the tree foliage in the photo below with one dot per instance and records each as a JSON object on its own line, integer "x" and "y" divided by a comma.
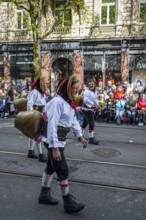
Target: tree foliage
{"x": 41, "y": 21}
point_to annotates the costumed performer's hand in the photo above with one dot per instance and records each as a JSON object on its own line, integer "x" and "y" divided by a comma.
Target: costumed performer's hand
{"x": 79, "y": 109}
{"x": 84, "y": 141}
{"x": 56, "y": 154}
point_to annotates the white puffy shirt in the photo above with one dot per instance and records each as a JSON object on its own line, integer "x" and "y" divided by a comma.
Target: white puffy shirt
{"x": 35, "y": 98}
{"x": 90, "y": 98}
{"x": 60, "y": 113}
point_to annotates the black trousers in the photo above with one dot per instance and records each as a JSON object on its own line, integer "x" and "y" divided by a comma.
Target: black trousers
{"x": 88, "y": 119}
{"x": 60, "y": 167}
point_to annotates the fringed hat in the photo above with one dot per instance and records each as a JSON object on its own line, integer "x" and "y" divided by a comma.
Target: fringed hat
{"x": 41, "y": 84}
{"x": 44, "y": 83}
{"x": 35, "y": 84}
{"x": 64, "y": 86}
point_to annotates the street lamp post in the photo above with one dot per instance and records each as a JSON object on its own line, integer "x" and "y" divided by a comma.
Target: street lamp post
{"x": 103, "y": 70}
{"x": 104, "y": 47}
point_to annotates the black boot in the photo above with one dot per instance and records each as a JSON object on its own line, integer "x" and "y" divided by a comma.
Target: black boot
{"x": 93, "y": 141}
{"x": 70, "y": 204}
{"x": 45, "y": 197}
{"x": 31, "y": 154}
{"x": 42, "y": 158}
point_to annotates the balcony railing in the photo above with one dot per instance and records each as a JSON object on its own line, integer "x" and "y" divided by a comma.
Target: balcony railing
{"x": 62, "y": 30}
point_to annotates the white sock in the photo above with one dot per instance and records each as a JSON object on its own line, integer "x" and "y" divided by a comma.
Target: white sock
{"x": 64, "y": 186}
{"x": 90, "y": 134}
{"x": 31, "y": 144}
{"x": 46, "y": 179}
{"x": 39, "y": 148}
{"x": 83, "y": 132}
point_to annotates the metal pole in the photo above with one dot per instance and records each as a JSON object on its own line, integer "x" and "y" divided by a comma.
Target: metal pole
{"x": 103, "y": 70}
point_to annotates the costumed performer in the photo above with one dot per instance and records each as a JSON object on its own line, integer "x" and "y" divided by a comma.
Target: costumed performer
{"x": 36, "y": 100}
{"x": 90, "y": 105}
{"x": 61, "y": 117}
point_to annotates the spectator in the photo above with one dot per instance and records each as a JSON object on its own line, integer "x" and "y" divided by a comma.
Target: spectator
{"x": 108, "y": 88}
{"x": 10, "y": 103}
{"x": 119, "y": 93}
{"x": 1, "y": 85}
{"x": 82, "y": 89}
{"x": 102, "y": 106}
{"x": 24, "y": 93}
{"x": 138, "y": 88}
{"x": 110, "y": 110}
{"x": 131, "y": 107}
{"x": 2, "y": 103}
{"x": 141, "y": 109}
{"x": 120, "y": 105}
{"x": 114, "y": 89}
{"x": 127, "y": 88}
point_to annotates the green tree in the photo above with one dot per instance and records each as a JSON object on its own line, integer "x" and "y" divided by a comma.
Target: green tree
{"x": 41, "y": 21}
{"x": 37, "y": 11}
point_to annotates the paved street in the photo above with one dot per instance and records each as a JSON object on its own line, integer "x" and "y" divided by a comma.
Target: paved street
{"x": 109, "y": 178}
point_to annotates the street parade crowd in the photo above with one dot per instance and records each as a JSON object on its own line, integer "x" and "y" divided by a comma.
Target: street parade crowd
{"x": 118, "y": 103}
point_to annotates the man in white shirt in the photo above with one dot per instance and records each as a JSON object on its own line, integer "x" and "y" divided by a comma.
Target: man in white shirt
{"x": 90, "y": 104}
{"x": 60, "y": 118}
{"x": 36, "y": 100}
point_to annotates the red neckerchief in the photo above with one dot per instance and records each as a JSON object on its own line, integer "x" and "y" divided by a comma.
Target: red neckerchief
{"x": 72, "y": 104}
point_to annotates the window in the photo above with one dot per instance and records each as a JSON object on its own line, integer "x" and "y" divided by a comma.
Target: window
{"x": 22, "y": 19}
{"x": 60, "y": 3}
{"x": 62, "y": 14}
{"x": 107, "y": 12}
{"x": 143, "y": 11}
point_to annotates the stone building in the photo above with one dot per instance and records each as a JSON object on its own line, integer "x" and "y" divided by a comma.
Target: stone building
{"x": 112, "y": 48}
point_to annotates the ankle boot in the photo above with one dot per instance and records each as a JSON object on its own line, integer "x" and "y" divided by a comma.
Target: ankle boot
{"x": 42, "y": 158}
{"x": 93, "y": 141}
{"x": 31, "y": 154}
{"x": 45, "y": 197}
{"x": 70, "y": 204}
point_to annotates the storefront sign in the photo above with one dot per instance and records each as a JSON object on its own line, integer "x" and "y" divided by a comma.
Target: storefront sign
{"x": 137, "y": 62}
{"x": 113, "y": 62}
{"x": 97, "y": 66}
{"x": 57, "y": 46}
{"x": 18, "y": 60}
{"x": 92, "y": 62}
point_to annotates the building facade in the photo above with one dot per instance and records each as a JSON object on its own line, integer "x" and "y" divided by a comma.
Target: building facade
{"x": 111, "y": 47}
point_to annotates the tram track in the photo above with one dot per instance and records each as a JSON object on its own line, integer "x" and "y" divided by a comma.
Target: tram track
{"x": 87, "y": 161}
{"x": 101, "y": 141}
{"x": 104, "y": 184}
{"x": 80, "y": 182}
{"x": 118, "y": 186}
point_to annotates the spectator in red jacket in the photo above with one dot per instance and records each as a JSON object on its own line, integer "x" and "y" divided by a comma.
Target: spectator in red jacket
{"x": 141, "y": 109}
{"x": 119, "y": 93}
